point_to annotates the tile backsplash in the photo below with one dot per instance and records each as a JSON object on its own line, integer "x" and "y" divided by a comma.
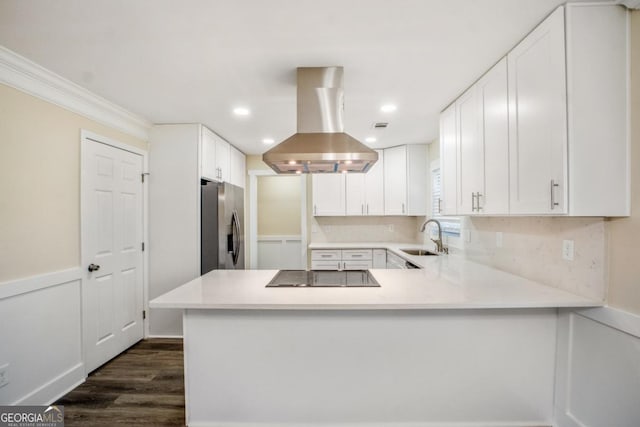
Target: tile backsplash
{"x": 346, "y": 229}
{"x": 531, "y": 247}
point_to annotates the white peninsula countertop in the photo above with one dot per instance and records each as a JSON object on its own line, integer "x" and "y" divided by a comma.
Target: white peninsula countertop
{"x": 444, "y": 282}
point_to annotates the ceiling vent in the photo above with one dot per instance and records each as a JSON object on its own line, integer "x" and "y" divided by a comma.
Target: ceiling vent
{"x": 380, "y": 125}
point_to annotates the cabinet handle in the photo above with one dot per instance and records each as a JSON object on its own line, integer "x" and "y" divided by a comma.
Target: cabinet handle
{"x": 367, "y": 208}
{"x": 553, "y": 196}
{"x": 473, "y": 202}
{"x": 315, "y": 210}
{"x": 403, "y": 208}
{"x": 478, "y": 195}
{"x": 362, "y": 209}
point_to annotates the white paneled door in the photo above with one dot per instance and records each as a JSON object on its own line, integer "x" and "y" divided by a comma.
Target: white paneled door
{"x": 112, "y": 235}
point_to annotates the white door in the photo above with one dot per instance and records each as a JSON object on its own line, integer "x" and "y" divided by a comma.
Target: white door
{"x": 112, "y": 232}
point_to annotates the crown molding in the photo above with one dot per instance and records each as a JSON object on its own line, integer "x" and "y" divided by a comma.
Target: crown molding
{"x": 25, "y": 75}
{"x": 631, "y": 4}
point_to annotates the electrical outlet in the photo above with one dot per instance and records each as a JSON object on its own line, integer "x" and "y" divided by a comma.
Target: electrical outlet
{"x": 390, "y": 227}
{"x": 499, "y": 239}
{"x": 4, "y": 375}
{"x": 567, "y": 250}
{"x": 314, "y": 228}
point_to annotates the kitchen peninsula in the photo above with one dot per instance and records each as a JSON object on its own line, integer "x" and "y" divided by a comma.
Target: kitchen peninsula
{"x": 452, "y": 343}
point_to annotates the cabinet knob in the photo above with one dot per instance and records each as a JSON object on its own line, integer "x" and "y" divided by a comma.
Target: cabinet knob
{"x": 93, "y": 267}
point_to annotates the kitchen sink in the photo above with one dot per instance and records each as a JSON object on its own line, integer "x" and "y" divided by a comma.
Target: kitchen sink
{"x": 418, "y": 252}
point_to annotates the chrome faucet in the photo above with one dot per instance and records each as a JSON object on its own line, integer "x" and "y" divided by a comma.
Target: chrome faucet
{"x": 439, "y": 246}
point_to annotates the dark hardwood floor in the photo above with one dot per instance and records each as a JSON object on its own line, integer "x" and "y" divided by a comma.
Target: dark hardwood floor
{"x": 144, "y": 386}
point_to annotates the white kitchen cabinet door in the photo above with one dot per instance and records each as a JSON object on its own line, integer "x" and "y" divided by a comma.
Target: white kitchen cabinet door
{"x": 379, "y": 258}
{"x": 223, "y": 159}
{"x": 237, "y": 166}
{"x": 208, "y": 155}
{"x": 395, "y": 180}
{"x": 355, "y": 194}
{"x": 538, "y": 120}
{"x": 494, "y": 134}
{"x": 365, "y": 191}
{"x": 470, "y": 156}
{"x": 448, "y": 161}
{"x": 329, "y": 194}
{"x": 417, "y": 179}
{"x": 374, "y": 187}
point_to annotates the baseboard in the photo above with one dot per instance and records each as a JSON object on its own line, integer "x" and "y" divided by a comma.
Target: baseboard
{"x": 388, "y": 424}
{"x": 163, "y": 336}
{"x": 56, "y": 388}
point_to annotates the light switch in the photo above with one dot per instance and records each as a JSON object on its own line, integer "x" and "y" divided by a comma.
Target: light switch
{"x": 567, "y": 250}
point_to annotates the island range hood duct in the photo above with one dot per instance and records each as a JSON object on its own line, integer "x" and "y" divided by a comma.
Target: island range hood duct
{"x": 320, "y": 145}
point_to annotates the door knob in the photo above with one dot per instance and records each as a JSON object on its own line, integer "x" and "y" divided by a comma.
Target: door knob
{"x": 93, "y": 267}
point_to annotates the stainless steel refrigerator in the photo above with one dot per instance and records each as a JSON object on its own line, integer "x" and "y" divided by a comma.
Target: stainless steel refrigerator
{"x": 222, "y": 226}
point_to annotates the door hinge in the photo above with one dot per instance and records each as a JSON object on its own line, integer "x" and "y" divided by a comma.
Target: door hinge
{"x": 144, "y": 314}
{"x": 142, "y": 175}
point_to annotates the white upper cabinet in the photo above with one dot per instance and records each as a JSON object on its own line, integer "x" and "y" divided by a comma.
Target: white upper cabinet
{"x": 547, "y": 133}
{"x": 470, "y": 156}
{"x": 475, "y": 148}
{"x": 406, "y": 180}
{"x": 208, "y": 155}
{"x": 223, "y": 159}
{"x": 395, "y": 181}
{"x": 448, "y": 161}
{"x": 493, "y": 199}
{"x": 329, "y": 194}
{"x": 365, "y": 191}
{"x": 216, "y": 157}
{"x": 237, "y": 166}
{"x": 538, "y": 117}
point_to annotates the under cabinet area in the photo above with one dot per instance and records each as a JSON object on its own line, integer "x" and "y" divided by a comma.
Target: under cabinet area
{"x": 544, "y": 132}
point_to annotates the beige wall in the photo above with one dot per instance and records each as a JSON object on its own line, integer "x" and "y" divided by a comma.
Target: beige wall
{"x": 279, "y": 201}
{"x": 40, "y": 184}
{"x": 624, "y": 233}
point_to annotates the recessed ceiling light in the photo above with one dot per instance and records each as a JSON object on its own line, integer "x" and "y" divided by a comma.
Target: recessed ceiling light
{"x": 268, "y": 141}
{"x": 241, "y": 111}
{"x": 347, "y": 162}
{"x": 292, "y": 162}
{"x": 370, "y": 139}
{"x": 388, "y": 108}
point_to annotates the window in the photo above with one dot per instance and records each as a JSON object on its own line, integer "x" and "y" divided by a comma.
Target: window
{"x": 450, "y": 224}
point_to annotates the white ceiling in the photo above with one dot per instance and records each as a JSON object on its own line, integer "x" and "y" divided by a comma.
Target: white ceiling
{"x": 195, "y": 60}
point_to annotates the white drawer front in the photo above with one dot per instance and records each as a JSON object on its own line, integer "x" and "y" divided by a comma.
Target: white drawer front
{"x": 357, "y": 265}
{"x": 326, "y": 265}
{"x": 325, "y": 255}
{"x": 357, "y": 254}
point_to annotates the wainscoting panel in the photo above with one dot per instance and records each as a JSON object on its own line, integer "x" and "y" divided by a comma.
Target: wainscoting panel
{"x": 40, "y": 337}
{"x": 280, "y": 253}
{"x": 598, "y": 376}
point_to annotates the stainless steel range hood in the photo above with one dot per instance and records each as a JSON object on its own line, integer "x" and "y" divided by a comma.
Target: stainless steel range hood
{"x": 320, "y": 145}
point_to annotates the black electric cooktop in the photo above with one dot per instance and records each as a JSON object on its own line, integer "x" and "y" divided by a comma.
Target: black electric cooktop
{"x": 323, "y": 279}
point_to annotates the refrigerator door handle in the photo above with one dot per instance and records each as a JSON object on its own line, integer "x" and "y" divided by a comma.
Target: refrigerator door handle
{"x": 235, "y": 232}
